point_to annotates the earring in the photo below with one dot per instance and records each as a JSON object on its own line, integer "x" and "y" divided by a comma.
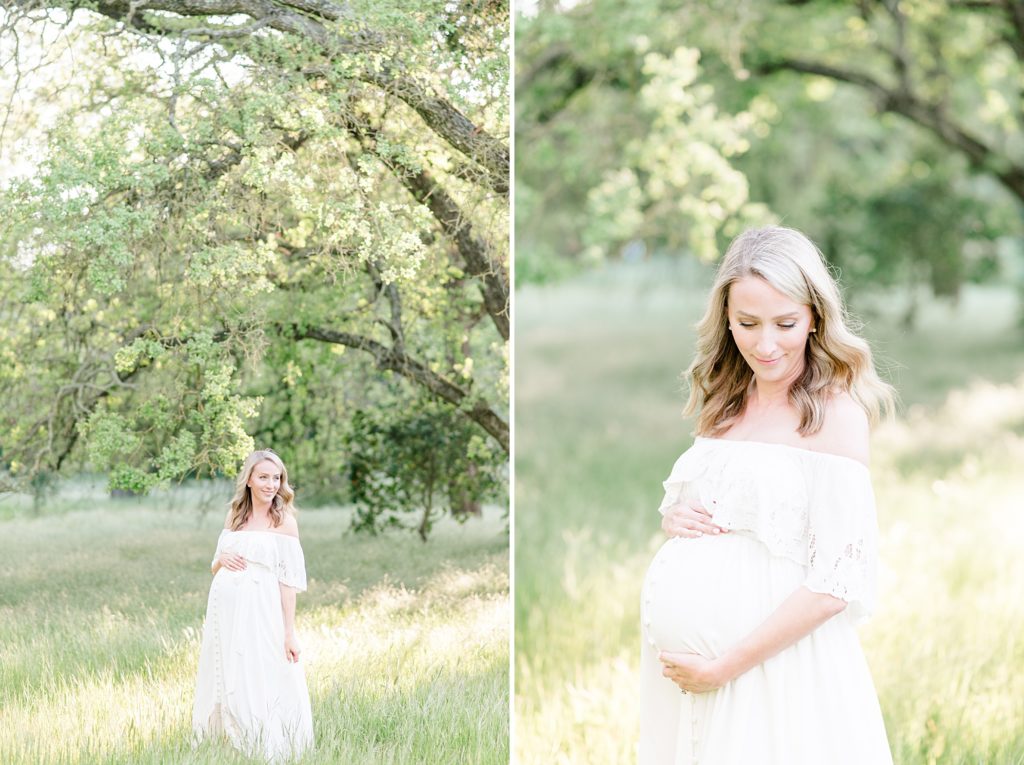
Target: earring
{"x": 814, "y": 329}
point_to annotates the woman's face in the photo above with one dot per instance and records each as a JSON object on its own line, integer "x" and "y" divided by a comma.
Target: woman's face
{"x": 769, "y": 329}
{"x": 265, "y": 480}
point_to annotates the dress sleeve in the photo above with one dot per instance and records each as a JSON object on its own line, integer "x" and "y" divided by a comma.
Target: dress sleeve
{"x": 291, "y": 563}
{"x": 220, "y": 541}
{"x": 673, "y": 494}
{"x": 842, "y": 540}
{"x": 686, "y": 469}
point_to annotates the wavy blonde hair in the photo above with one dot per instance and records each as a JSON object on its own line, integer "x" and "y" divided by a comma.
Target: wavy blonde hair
{"x": 241, "y": 504}
{"x": 836, "y": 358}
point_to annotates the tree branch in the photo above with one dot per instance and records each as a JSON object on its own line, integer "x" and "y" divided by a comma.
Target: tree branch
{"x": 566, "y": 76}
{"x": 558, "y": 58}
{"x": 1015, "y": 13}
{"x": 390, "y": 359}
{"x": 394, "y": 326}
{"x": 980, "y": 155}
{"x": 492, "y": 275}
{"x": 900, "y": 59}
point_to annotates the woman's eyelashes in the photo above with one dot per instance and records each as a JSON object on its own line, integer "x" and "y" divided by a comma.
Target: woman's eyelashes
{"x": 748, "y": 325}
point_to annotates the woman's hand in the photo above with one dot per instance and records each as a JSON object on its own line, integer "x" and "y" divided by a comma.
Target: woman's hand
{"x": 689, "y": 519}
{"x": 231, "y": 561}
{"x": 692, "y": 672}
{"x": 291, "y": 647}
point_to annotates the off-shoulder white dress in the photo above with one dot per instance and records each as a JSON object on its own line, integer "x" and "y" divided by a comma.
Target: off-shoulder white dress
{"x": 796, "y": 518}
{"x": 246, "y": 689}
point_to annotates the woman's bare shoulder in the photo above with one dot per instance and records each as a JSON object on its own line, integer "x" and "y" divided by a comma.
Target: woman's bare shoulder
{"x": 845, "y": 430}
{"x": 289, "y": 526}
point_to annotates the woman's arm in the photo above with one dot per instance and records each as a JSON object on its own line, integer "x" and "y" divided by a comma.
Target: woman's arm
{"x": 291, "y": 645}
{"x": 288, "y": 607}
{"x": 795, "y": 618}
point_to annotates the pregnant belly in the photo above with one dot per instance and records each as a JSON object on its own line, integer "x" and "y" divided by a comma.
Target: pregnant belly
{"x": 706, "y": 594}
{"x": 253, "y": 592}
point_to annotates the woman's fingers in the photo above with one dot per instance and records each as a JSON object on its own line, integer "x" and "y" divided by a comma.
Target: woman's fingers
{"x": 691, "y": 528}
{"x": 691, "y": 510}
{"x": 708, "y": 528}
{"x": 691, "y": 507}
{"x": 233, "y": 562}
{"x": 689, "y": 520}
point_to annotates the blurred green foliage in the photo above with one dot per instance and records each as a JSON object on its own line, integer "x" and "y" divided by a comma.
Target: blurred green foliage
{"x": 890, "y": 132}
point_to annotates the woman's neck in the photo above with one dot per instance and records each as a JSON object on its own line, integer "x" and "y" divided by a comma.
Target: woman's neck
{"x": 260, "y": 511}
{"x": 769, "y": 395}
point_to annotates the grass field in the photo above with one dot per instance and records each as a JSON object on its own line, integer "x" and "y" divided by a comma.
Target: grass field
{"x": 101, "y": 611}
{"x": 598, "y": 397}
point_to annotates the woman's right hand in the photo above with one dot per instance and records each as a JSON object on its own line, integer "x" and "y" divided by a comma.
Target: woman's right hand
{"x": 231, "y": 561}
{"x": 689, "y": 519}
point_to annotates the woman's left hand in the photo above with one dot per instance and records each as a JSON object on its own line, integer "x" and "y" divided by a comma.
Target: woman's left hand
{"x": 693, "y": 672}
{"x": 291, "y": 648}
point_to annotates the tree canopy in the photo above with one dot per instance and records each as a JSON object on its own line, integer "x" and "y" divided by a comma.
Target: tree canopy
{"x": 246, "y": 222}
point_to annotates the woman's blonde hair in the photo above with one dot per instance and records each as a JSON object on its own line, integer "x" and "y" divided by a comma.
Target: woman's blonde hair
{"x": 836, "y": 358}
{"x": 241, "y": 504}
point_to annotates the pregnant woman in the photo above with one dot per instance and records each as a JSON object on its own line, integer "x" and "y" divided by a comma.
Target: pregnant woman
{"x": 251, "y": 687}
{"x": 749, "y": 654}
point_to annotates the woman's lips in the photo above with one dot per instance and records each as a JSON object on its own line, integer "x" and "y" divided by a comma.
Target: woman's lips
{"x": 767, "y": 362}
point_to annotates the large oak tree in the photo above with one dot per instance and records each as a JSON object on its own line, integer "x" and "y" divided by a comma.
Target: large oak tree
{"x": 249, "y": 217}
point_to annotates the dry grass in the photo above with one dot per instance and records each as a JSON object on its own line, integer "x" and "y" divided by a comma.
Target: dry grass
{"x": 406, "y": 645}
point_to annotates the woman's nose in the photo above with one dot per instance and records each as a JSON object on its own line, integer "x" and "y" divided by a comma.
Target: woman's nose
{"x": 765, "y": 344}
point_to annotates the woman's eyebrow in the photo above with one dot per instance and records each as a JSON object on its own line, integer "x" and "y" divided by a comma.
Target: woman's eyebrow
{"x": 791, "y": 315}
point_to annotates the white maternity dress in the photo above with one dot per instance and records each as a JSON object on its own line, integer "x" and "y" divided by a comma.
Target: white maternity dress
{"x": 246, "y": 689}
{"x": 796, "y": 517}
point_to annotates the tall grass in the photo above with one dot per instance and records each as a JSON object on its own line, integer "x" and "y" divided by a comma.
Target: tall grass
{"x": 597, "y": 428}
{"x": 101, "y": 610}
